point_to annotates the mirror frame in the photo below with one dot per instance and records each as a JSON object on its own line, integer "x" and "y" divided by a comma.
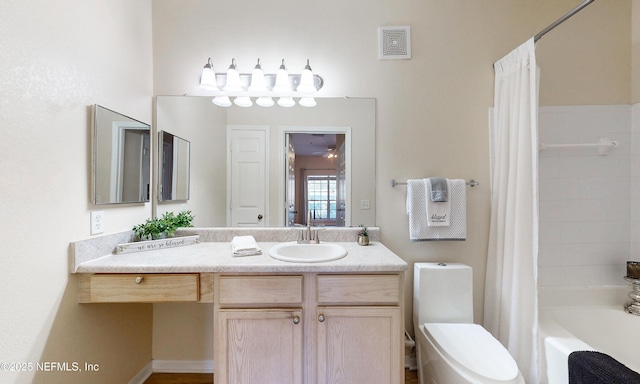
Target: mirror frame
{"x": 115, "y": 127}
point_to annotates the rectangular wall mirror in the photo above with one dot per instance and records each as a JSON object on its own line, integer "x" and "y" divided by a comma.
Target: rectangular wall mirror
{"x": 121, "y": 158}
{"x": 173, "y": 158}
{"x": 210, "y": 129}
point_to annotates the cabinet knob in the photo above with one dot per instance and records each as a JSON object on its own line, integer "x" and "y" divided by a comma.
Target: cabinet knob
{"x": 139, "y": 279}
{"x": 321, "y": 318}
{"x": 296, "y": 320}
{"x": 260, "y": 217}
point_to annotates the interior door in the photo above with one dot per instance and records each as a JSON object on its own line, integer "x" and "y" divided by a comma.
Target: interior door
{"x": 248, "y": 195}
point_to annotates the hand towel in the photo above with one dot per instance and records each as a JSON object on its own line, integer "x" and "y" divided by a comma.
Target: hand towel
{"x": 245, "y": 246}
{"x": 439, "y": 189}
{"x": 591, "y": 367}
{"x": 439, "y": 209}
{"x": 419, "y": 230}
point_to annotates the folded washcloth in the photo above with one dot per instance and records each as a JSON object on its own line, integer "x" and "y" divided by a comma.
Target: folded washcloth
{"x": 439, "y": 189}
{"x": 438, "y": 211}
{"x": 245, "y": 246}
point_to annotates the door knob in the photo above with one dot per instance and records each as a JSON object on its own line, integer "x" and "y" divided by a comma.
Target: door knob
{"x": 260, "y": 216}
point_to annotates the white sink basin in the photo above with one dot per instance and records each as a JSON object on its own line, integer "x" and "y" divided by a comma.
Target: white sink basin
{"x": 307, "y": 253}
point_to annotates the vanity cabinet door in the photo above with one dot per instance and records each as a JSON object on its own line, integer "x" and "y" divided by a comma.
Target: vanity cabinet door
{"x": 359, "y": 345}
{"x": 259, "y": 346}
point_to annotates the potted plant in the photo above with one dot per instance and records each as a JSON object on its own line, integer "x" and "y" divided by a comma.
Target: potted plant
{"x": 165, "y": 226}
{"x": 363, "y": 236}
{"x": 151, "y": 229}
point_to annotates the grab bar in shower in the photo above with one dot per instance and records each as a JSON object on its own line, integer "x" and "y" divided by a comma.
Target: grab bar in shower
{"x": 604, "y": 145}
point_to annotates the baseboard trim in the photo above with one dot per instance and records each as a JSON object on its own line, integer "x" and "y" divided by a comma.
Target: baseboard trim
{"x": 143, "y": 375}
{"x": 182, "y": 366}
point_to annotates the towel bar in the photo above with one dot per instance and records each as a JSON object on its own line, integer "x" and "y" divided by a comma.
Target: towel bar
{"x": 472, "y": 183}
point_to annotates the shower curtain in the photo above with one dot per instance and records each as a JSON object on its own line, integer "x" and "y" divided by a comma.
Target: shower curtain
{"x": 510, "y": 306}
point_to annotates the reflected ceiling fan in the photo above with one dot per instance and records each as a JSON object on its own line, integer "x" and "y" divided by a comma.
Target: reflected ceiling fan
{"x": 330, "y": 153}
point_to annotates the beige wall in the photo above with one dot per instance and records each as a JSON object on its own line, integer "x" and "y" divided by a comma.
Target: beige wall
{"x": 587, "y": 59}
{"x": 58, "y": 58}
{"x": 431, "y": 110}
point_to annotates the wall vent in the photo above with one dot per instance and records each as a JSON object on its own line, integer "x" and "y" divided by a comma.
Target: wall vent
{"x": 395, "y": 42}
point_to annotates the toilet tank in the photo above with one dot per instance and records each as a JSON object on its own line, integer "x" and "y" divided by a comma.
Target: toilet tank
{"x": 442, "y": 293}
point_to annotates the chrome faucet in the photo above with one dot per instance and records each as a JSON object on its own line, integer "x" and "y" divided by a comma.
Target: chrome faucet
{"x": 308, "y": 236}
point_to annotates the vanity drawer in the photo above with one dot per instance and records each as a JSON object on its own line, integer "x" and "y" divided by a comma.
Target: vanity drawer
{"x": 359, "y": 289}
{"x": 139, "y": 288}
{"x": 260, "y": 290}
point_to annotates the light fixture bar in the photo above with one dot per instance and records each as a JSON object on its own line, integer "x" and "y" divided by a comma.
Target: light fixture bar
{"x": 269, "y": 79}
{"x": 264, "y": 87}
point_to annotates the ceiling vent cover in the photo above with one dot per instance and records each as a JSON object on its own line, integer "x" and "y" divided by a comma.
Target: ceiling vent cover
{"x": 395, "y": 42}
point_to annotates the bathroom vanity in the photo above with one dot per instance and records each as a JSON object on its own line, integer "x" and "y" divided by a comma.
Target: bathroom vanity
{"x": 274, "y": 321}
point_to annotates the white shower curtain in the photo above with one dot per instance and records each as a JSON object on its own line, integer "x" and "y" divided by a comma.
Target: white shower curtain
{"x": 511, "y": 304}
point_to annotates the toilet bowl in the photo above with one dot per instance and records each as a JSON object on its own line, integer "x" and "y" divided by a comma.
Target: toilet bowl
{"x": 451, "y": 349}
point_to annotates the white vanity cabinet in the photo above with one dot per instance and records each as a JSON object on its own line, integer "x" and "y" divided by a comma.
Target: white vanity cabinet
{"x": 309, "y": 328}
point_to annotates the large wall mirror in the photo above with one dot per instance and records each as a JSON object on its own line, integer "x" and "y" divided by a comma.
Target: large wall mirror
{"x": 322, "y": 127}
{"x": 173, "y": 164}
{"x": 121, "y": 158}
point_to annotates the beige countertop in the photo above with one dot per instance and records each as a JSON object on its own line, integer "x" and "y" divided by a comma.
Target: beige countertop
{"x": 217, "y": 257}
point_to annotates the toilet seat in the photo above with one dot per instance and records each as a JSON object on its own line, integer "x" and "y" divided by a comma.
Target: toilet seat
{"x": 473, "y": 350}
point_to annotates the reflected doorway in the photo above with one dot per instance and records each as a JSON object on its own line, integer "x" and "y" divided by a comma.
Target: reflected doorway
{"x": 316, "y": 178}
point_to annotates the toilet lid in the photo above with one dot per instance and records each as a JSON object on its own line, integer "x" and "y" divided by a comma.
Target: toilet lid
{"x": 474, "y": 349}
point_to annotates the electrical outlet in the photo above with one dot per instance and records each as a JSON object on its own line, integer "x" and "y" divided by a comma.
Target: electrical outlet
{"x": 365, "y": 204}
{"x": 97, "y": 222}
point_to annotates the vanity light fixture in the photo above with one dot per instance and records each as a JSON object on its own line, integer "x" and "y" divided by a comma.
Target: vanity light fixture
{"x": 263, "y": 87}
{"x": 208, "y": 78}
{"x": 258, "y": 84}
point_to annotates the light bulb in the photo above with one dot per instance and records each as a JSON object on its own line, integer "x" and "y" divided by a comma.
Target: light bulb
{"x": 286, "y": 102}
{"x": 233, "y": 79}
{"x": 221, "y": 101}
{"x": 265, "y": 101}
{"x": 282, "y": 80}
{"x": 257, "y": 79}
{"x": 208, "y": 77}
{"x": 306, "y": 80}
{"x": 243, "y": 101}
{"x": 307, "y": 102}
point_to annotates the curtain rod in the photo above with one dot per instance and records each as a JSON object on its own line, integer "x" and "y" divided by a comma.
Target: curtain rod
{"x": 561, "y": 20}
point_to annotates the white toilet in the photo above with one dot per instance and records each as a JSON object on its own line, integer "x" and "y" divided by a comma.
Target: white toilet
{"x": 450, "y": 348}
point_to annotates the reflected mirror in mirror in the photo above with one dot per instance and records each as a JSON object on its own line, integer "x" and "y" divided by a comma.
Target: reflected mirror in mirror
{"x": 173, "y": 157}
{"x": 121, "y": 158}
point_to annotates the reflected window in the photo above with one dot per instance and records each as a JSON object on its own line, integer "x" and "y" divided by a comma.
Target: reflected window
{"x": 321, "y": 197}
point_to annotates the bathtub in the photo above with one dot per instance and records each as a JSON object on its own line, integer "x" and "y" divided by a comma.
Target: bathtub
{"x": 577, "y": 319}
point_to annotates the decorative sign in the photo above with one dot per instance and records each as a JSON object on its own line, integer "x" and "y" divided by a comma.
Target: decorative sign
{"x": 152, "y": 245}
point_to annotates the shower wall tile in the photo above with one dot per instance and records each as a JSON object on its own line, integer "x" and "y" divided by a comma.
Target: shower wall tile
{"x": 586, "y": 205}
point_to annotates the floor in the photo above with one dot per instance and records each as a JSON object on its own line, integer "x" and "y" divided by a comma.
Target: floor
{"x": 411, "y": 377}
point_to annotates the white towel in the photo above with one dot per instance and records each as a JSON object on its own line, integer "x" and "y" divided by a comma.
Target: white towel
{"x": 245, "y": 246}
{"x": 417, "y": 198}
{"x": 438, "y": 212}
